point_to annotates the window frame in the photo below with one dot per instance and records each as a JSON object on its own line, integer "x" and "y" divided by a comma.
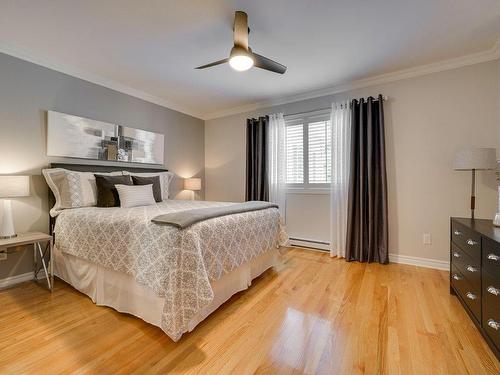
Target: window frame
{"x": 305, "y": 119}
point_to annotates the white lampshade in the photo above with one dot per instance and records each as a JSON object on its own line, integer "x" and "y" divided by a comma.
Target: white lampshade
{"x": 14, "y": 186}
{"x": 192, "y": 183}
{"x": 475, "y": 158}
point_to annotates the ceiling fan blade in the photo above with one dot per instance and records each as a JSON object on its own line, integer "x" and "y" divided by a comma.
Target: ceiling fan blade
{"x": 213, "y": 64}
{"x": 268, "y": 64}
{"x": 240, "y": 29}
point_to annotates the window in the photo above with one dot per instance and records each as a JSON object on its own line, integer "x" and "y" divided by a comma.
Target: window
{"x": 308, "y": 151}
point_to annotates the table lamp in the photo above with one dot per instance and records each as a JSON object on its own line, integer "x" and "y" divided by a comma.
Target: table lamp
{"x": 193, "y": 184}
{"x": 11, "y": 187}
{"x": 472, "y": 159}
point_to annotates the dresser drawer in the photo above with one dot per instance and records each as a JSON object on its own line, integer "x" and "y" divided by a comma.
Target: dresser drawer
{"x": 491, "y": 307}
{"x": 491, "y": 256}
{"x": 466, "y": 239}
{"x": 470, "y": 295}
{"x": 468, "y": 266}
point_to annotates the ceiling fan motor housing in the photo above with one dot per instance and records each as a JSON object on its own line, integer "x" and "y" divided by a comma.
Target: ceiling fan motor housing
{"x": 240, "y": 51}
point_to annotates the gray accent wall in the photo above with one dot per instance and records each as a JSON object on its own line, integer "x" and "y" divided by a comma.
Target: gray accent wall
{"x": 27, "y": 91}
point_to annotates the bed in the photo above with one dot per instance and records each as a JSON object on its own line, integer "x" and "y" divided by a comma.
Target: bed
{"x": 169, "y": 277}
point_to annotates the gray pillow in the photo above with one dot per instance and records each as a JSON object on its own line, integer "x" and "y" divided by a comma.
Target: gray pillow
{"x": 107, "y": 195}
{"x": 155, "y": 181}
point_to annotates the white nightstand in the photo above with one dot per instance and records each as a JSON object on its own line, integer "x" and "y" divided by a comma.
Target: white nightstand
{"x": 15, "y": 244}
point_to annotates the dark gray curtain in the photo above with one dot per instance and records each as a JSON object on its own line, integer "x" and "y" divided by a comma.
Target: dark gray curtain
{"x": 367, "y": 223}
{"x": 257, "y": 185}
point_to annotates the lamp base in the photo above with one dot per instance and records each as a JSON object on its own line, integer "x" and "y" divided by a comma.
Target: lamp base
{"x": 7, "y": 223}
{"x": 496, "y": 220}
{"x": 8, "y": 237}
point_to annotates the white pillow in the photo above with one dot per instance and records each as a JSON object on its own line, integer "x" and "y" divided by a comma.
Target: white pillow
{"x": 165, "y": 179}
{"x": 72, "y": 189}
{"x": 135, "y": 195}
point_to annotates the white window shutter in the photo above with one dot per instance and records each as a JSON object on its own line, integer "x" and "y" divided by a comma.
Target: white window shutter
{"x": 320, "y": 153}
{"x": 295, "y": 154}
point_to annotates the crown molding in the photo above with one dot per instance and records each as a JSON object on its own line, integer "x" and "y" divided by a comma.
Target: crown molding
{"x": 94, "y": 78}
{"x": 449, "y": 64}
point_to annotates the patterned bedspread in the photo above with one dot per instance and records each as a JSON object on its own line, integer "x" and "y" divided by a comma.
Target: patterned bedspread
{"x": 176, "y": 264}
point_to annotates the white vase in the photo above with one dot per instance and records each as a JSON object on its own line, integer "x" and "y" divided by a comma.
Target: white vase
{"x": 496, "y": 220}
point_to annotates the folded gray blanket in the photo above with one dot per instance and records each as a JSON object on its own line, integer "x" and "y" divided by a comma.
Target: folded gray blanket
{"x": 183, "y": 219}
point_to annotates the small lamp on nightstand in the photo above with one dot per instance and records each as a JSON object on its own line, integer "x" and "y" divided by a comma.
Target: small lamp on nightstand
{"x": 193, "y": 184}
{"x": 11, "y": 187}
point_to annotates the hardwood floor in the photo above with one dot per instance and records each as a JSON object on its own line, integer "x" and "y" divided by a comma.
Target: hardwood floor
{"x": 315, "y": 315}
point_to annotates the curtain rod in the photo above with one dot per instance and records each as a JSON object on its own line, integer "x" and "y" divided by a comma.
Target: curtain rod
{"x": 384, "y": 98}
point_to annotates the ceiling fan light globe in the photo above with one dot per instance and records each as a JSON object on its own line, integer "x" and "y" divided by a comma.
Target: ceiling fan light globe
{"x": 241, "y": 62}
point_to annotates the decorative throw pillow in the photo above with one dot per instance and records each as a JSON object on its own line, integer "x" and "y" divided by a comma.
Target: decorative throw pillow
{"x": 154, "y": 181}
{"x": 136, "y": 195}
{"x": 107, "y": 195}
{"x": 165, "y": 179}
{"x": 72, "y": 189}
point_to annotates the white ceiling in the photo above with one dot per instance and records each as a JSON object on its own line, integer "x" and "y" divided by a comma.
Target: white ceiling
{"x": 153, "y": 46}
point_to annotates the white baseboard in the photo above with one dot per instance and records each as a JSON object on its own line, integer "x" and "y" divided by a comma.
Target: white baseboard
{"x": 310, "y": 244}
{"x": 12, "y": 280}
{"x": 420, "y": 262}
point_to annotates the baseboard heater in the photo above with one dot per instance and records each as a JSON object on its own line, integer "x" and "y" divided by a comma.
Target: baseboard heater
{"x": 313, "y": 244}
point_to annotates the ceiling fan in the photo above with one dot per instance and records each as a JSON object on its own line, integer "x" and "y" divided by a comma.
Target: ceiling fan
{"x": 242, "y": 57}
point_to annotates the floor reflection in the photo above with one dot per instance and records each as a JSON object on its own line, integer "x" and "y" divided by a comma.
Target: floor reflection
{"x": 301, "y": 340}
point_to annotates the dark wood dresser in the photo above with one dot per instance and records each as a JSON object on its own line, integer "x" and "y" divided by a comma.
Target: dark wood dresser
{"x": 475, "y": 274}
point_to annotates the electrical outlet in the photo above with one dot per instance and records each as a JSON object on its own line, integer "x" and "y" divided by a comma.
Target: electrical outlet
{"x": 3, "y": 256}
{"x": 427, "y": 239}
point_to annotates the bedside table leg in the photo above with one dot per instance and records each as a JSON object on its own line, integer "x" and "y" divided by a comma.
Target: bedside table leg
{"x": 44, "y": 265}
{"x": 35, "y": 262}
{"x": 51, "y": 244}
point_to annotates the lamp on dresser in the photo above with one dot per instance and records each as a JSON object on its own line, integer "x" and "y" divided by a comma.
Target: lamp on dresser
{"x": 11, "y": 187}
{"x": 472, "y": 159}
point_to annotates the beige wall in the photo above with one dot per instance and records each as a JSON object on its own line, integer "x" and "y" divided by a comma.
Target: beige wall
{"x": 27, "y": 91}
{"x": 427, "y": 120}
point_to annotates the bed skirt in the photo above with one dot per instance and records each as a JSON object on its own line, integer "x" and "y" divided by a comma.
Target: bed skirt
{"x": 107, "y": 287}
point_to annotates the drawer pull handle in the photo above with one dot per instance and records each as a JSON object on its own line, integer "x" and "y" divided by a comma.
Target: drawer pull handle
{"x": 471, "y": 296}
{"x": 471, "y": 269}
{"x": 493, "y": 324}
{"x": 493, "y": 257}
{"x": 493, "y": 290}
{"x": 471, "y": 242}
{"x": 457, "y": 277}
{"x": 457, "y": 233}
{"x": 456, "y": 255}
